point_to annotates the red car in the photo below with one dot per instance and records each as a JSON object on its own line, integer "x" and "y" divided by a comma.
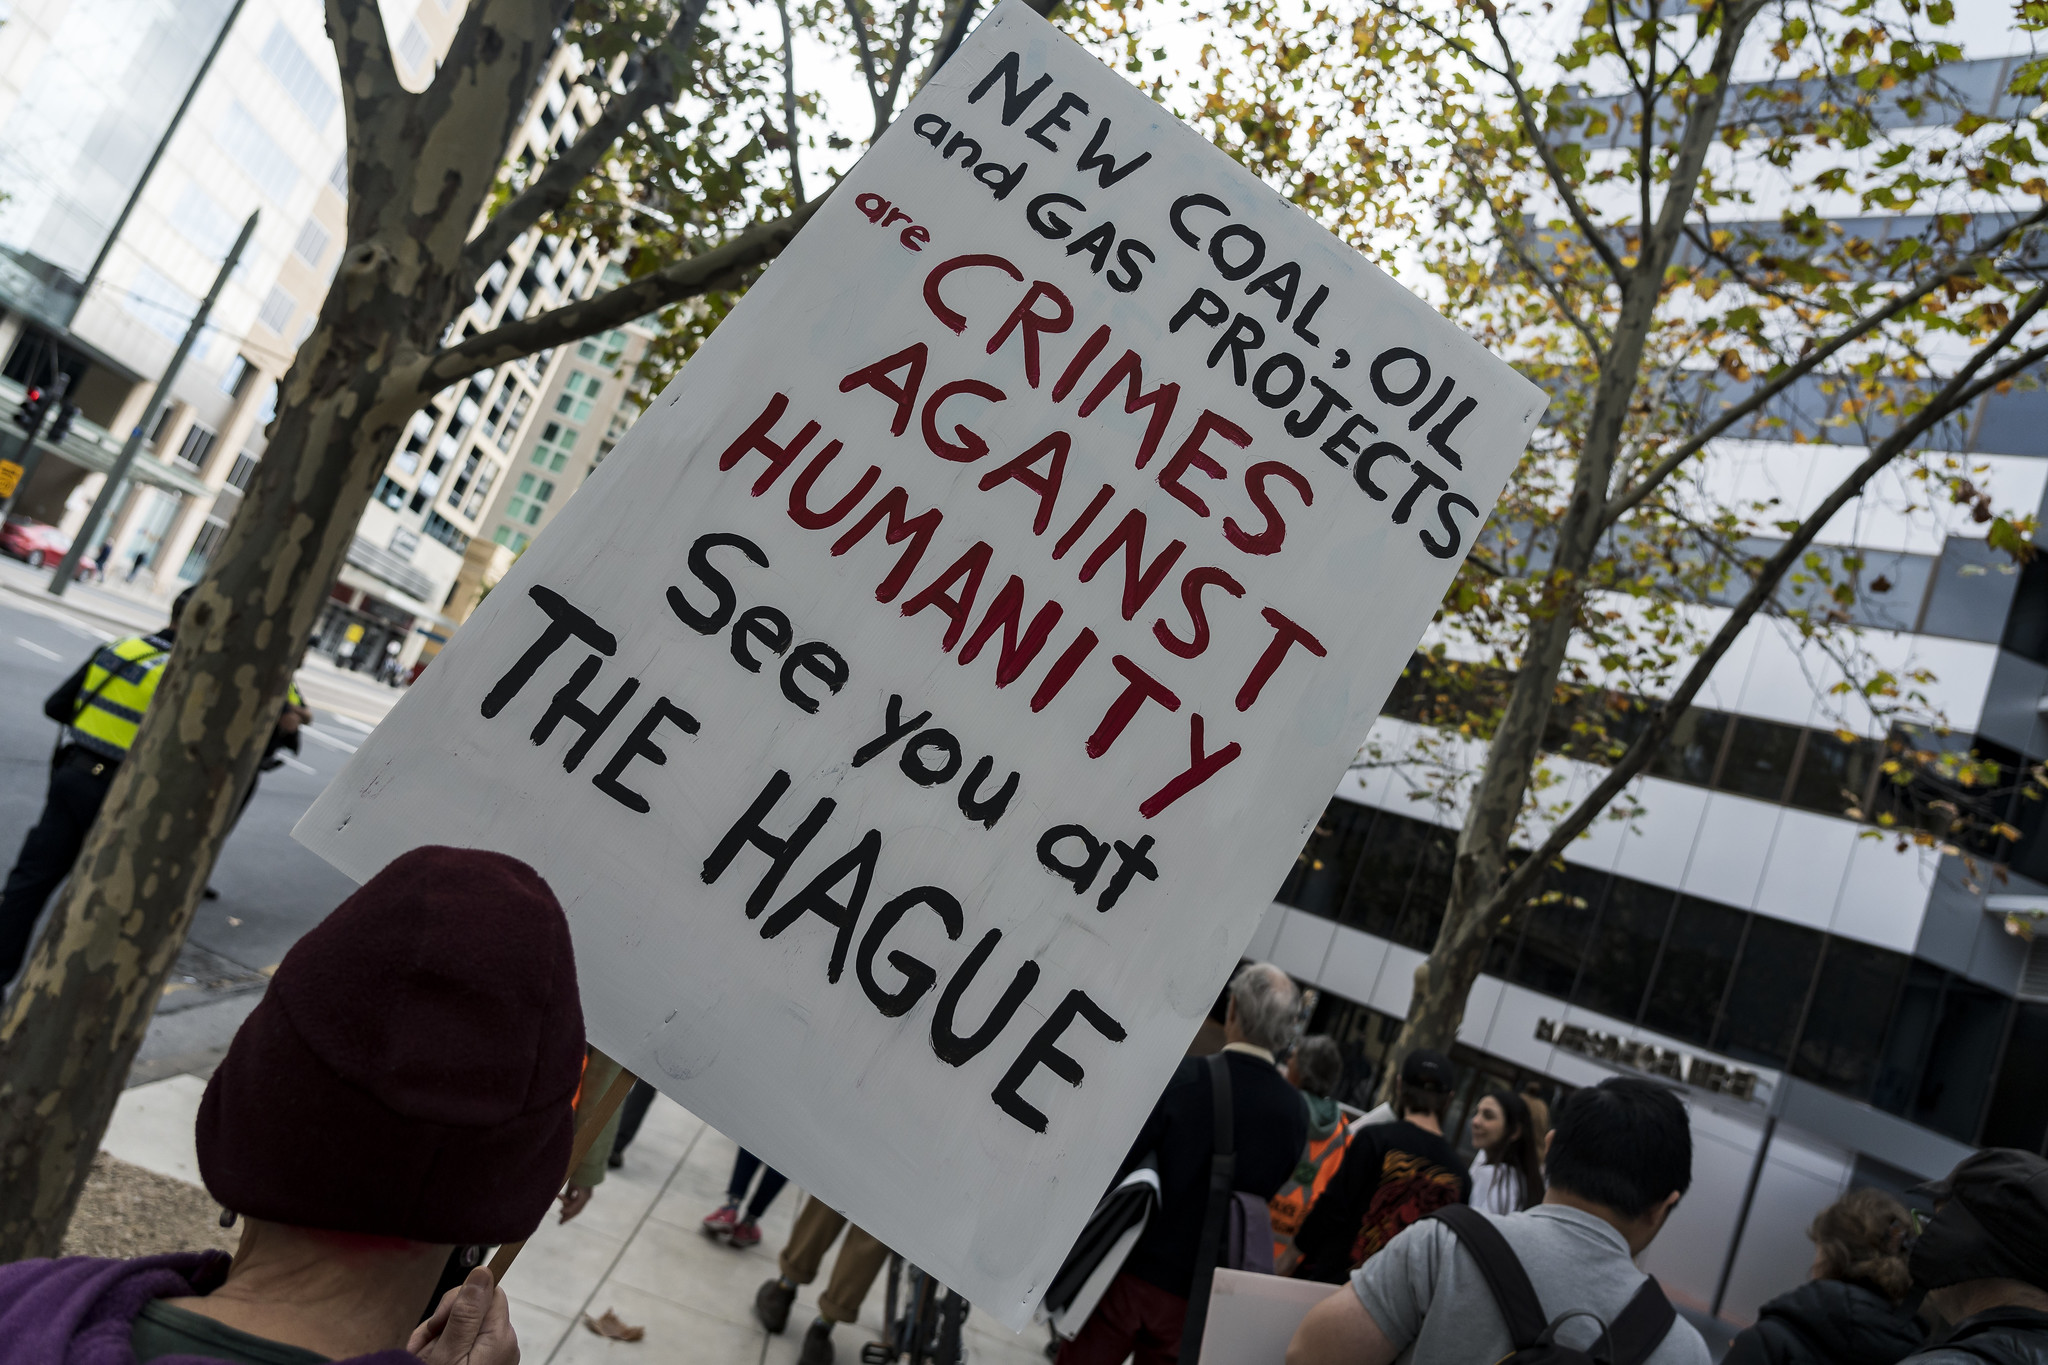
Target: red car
{"x": 39, "y": 544}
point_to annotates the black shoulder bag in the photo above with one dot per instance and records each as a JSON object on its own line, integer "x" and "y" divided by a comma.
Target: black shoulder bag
{"x": 1222, "y": 1185}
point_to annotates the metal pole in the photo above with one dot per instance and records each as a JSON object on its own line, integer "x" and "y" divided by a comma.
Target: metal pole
{"x": 119, "y": 473}
{"x": 28, "y": 451}
{"x": 192, "y": 90}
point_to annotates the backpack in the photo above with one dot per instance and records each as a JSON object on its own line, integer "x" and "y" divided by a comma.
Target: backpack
{"x": 1635, "y": 1332}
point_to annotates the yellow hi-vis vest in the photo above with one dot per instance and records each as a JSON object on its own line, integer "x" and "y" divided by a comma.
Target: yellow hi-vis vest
{"x": 119, "y": 684}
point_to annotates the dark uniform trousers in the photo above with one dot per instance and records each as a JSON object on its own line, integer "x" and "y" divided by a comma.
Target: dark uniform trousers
{"x": 78, "y": 786}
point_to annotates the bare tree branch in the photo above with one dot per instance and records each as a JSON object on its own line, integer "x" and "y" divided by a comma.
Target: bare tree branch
{"x": 1620, "y": 504}
{"x": 1959, "y": 391}
{"x": 863, "y": 42}
{"x": 958, "y": 18}
{"x": 902, "y": 62}
{"x": 1702, "y": 126}
{"x": 1533, "y": 130}
{"x": 658, "y": 84}
{"x": 796, "y": 170}
{"x": 722, "y": 267}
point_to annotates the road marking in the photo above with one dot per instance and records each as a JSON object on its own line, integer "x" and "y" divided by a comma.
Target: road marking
{"x": 352, "y": 723}
{"x": 297, "y": 766}
{"x": 32, "y": 647}
{"x": 329, "y": 740}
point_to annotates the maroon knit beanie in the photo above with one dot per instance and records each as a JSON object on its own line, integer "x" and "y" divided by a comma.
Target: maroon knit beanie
{"x": 410, "y": 1071}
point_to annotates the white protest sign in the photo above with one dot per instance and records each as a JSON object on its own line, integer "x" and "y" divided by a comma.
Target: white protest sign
{"x": 918, "y": 710}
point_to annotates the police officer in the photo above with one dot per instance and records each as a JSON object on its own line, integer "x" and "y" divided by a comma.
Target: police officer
{"x": 100, "y": 707}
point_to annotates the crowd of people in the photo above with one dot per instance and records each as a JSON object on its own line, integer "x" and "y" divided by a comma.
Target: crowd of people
{"x": 404, "y": 1095}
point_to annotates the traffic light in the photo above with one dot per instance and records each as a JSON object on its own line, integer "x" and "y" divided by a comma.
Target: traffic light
{"x": 61, "y": 428}
{"x": 29, "y": 415}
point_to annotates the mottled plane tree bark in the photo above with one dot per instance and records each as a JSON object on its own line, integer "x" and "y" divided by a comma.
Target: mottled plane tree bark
{"x": 431, "y": 206}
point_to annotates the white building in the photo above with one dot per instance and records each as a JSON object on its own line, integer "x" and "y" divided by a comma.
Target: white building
{"x": 88, "y": 90}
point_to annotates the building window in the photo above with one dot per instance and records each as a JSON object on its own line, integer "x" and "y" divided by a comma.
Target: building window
{"x": 526, "y": 482}
{"x": 241, "y": 136}
{"x": 447, "y": 532}
{"x": 338, "y": 177}
{"x": 1694, "y": 748}
{"x": 503, "y": 535}
{"x": 515, "y": 507}
{"x": 235, "y": 376}
{"x": 544, "y": 492}
{"x": 1381, "y": 887}
{"x": 560, "y": 459}
{"x": 1555, "y": 930}
{"x": 1624, "y": 948}
{"x": 2019, "y": 1102}
{"x": 312, "y": 243}
{"x": 1322, "y": 872}
{"x": 276, "y": 311}
{"x": 1852, "y": 1002}
{"x": 1759, "y": 758}
{"x": 1769, "y": 991}
{"x": 533, "y": 514}
{"x": 210, "y": 536}
{"x": 413, "y": 48}
{"x": 1684, "y": 999}
{"x": 197, "y": 445}
{"x": 243, "y": 471}
{"x": 1834, "y": 773}
{"x": 391, "y": 493}
{"x": 299, "y": 77}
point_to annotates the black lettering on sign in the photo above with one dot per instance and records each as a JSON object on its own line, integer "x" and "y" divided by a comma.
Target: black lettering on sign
{"x": 817, "y": 899}
{"x": 894, "y": 727}
{"x": 564, "y": 623}
{"x": 926, "y": 774}
{"x": 819, "y": 660}
{"x": 640, "y": 744}
{"x": 918, "y": 977}
{"x": 713, "y": 621}
{"x": 782, "y": 852}
{"x": 1044, "y": 1051}
{"x": 932, "y": 757}
{"x": 1132, "y": 862}
{"x": 568, "y": 705}
{"x": 951, "y": 1048}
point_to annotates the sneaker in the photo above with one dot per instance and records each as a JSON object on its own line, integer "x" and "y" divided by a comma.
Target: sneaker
{"x": 771, "y": 1304}
{"x": 817, "y": 1348}
{"x": 721, "y": 1221}
{"x": 745, "y": 1234}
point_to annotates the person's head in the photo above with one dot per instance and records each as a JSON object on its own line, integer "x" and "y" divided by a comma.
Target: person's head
{"x": 179, "y": 603}
{"x": 1265, "y": 1008}
{"x": 1317, "y": 1067}
{"x": 1426, "y": 1084}
{"x": 1501, "y": 1128}
{"x": 407, "y": 1079}
{"x": 1861, "y": 1239}
{"x": 1623, "y": 1150}
{"x": 1987, "y": 1244}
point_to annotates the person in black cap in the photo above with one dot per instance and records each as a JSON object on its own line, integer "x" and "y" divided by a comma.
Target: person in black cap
{"x": 1983, "y": 1260}
{"x": 1393, "y": 1174}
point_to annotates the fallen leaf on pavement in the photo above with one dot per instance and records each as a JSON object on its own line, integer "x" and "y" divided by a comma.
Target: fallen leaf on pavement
{"x": 610, "y": 1326}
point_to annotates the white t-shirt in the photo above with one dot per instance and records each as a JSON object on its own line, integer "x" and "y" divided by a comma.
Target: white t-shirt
{"x": 1430, "y": 1298}
{"x": 1496, "y": 1187}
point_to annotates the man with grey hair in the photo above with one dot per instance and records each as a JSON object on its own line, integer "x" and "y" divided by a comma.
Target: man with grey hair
{"x": 1142, "y": 1311}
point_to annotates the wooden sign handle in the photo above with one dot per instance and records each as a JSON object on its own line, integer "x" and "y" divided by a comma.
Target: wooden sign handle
{"x": 590, "y": 1122}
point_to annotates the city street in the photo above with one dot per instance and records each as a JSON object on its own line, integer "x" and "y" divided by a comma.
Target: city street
{"x": 271, "y": 889}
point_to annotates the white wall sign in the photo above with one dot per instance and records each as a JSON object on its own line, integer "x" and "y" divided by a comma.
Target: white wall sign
{"x": 918, "y": 710}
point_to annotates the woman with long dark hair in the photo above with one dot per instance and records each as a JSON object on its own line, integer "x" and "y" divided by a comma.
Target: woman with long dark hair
{"x": 1507, "y": 1174}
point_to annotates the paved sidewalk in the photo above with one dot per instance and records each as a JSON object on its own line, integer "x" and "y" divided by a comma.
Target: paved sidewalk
{"x": 635, "y": 1249}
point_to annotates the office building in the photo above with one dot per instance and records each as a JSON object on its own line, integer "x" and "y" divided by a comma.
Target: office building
{"x": 1839, "y": 1005}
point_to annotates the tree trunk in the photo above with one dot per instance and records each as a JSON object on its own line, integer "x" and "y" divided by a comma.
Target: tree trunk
{"x": 89, "y": 987}
{"x": 1444, "y": 979}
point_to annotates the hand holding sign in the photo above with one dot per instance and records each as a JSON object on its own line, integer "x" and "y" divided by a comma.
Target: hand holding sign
{"x": 917, "y": 711}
